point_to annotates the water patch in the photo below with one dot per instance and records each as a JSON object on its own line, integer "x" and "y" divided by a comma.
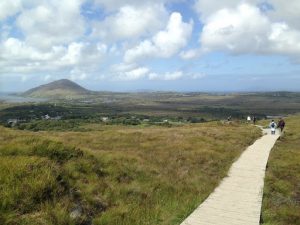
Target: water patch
{"x": 14, "y": 98}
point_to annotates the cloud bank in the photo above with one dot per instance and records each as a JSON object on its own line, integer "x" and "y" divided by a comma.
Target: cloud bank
{"x": 139, "y": 40}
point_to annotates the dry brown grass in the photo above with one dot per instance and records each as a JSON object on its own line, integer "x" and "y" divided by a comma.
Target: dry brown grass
{"x": 181, "y": 165}
{"x": 152, "y": 175}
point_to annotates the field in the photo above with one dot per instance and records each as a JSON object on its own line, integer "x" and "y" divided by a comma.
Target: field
{"x": 145, "y": 109}
{"x": 120, "y": 175}
{"x": 281, "y": 203}
{"x": 153, "y": 159}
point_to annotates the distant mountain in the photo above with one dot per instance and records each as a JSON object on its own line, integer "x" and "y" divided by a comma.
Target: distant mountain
{"x": 63, "y": 88}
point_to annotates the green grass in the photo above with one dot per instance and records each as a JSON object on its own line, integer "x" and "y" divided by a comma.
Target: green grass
{"x": 35, "y": 182}
{"x": 120, "y": 175}
{"x": 281, "y": 202}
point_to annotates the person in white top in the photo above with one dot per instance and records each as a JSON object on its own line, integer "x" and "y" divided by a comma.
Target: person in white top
{"x": 273, "y": 126}
{"x": 248, "y": 119}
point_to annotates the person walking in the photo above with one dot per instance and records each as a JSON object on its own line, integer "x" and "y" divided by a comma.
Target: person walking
{"x": 248, "y": 119}
{"x": 273, "y": 127}
{"x": 254, "y": 120}
{"x": 281, "y": 124}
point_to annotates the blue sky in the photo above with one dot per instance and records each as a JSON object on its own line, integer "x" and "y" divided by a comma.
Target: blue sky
{"x": 128, "y": 45}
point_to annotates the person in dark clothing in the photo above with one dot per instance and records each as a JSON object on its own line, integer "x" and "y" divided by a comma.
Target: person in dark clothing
{"x": 281, "y": 124}
{"x": 254, "y": 120}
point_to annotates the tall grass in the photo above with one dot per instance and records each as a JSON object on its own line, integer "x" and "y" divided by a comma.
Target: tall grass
{"x": 120, "y": 175}
{"x": 281, "y": 202}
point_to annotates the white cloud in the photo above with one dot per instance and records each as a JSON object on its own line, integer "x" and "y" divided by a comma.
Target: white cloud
{"x": 153, "y": 76}
{"x": 173, "y": 76}
{"x": 165, "y": 43}
{"x": 197, "y": 76}
{"x": 168, "y": 76}
{"x": 51, "y": 23}
{"x": 128, "y": 71}
{"x": 206, "y": 8}
{"x": 112, "y": 5}
{"x": 76, "y": 74}
{"x": 15, "y": 49}
{"x": 143, "y": 50}
{"x": 82, "y": 53}
{"x": 73, "y": 54}
{"x": 131, "y": 72}
{"x": 9, "y": 8}
{"x": 58, "y": 38}
{"x": 131, "y": 22}
{"x": 134, "y": 74}
{"x": 246, "y": 29}
{"x": 284, "y": 40}
{"x": 279, "y": 10}
{"x": 19, "y": 57}
{"x": 123, "y": 67}
{"x": 241, "y": 29}
{"x": 174, "y": 37}
{"x": 190, "y": 54}
{"x": 287, "y": 11}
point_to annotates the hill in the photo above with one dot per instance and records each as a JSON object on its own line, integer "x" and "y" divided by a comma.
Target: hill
{"x": 63, "y": 88}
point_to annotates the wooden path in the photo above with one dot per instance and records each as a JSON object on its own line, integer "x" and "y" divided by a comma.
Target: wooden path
{"x": 237, "y": 200}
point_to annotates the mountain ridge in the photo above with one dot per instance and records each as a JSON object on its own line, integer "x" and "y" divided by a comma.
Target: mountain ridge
{"x": 57, "y": 89}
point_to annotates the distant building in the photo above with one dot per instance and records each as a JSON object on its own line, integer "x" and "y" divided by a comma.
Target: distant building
{"x": 47, "y": 117}
{"x": 12, "y": 122}
{"x": 104, "y": 119}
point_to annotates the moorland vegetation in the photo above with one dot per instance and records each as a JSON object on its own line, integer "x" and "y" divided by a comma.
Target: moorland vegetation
{"x": 117, "y": 175}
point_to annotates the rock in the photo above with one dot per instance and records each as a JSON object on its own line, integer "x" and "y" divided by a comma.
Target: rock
{"x": 76, "y": 212}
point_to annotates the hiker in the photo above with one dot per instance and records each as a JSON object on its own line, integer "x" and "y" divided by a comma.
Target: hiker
{"x": 248, "y": 119}
{"x": 281, "y": 124}
{"x": 254, "y": 120}
{"x": 273, "y": 127}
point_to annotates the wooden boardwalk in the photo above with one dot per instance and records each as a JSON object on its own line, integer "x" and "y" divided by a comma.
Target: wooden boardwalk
{"x": 237, "y": 200}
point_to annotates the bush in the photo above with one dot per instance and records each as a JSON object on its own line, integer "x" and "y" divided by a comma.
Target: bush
{"x": 196, "y": 120}
{"x": 131, "y": 122}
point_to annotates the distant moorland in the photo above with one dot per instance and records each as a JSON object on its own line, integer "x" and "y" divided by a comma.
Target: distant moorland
{"x": 100, "y": 158}
{"x": 76, "y": 107}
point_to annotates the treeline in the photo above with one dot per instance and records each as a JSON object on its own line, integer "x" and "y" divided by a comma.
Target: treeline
{"x": 77, "y": 124}
{"x": 68, "y": 117}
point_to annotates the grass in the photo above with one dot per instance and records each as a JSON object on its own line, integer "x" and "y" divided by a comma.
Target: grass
{"x": 119, "y": 175}
{"x": 281, "y": 202}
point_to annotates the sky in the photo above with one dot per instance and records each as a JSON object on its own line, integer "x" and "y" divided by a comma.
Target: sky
{"x": 165, "y": 45}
